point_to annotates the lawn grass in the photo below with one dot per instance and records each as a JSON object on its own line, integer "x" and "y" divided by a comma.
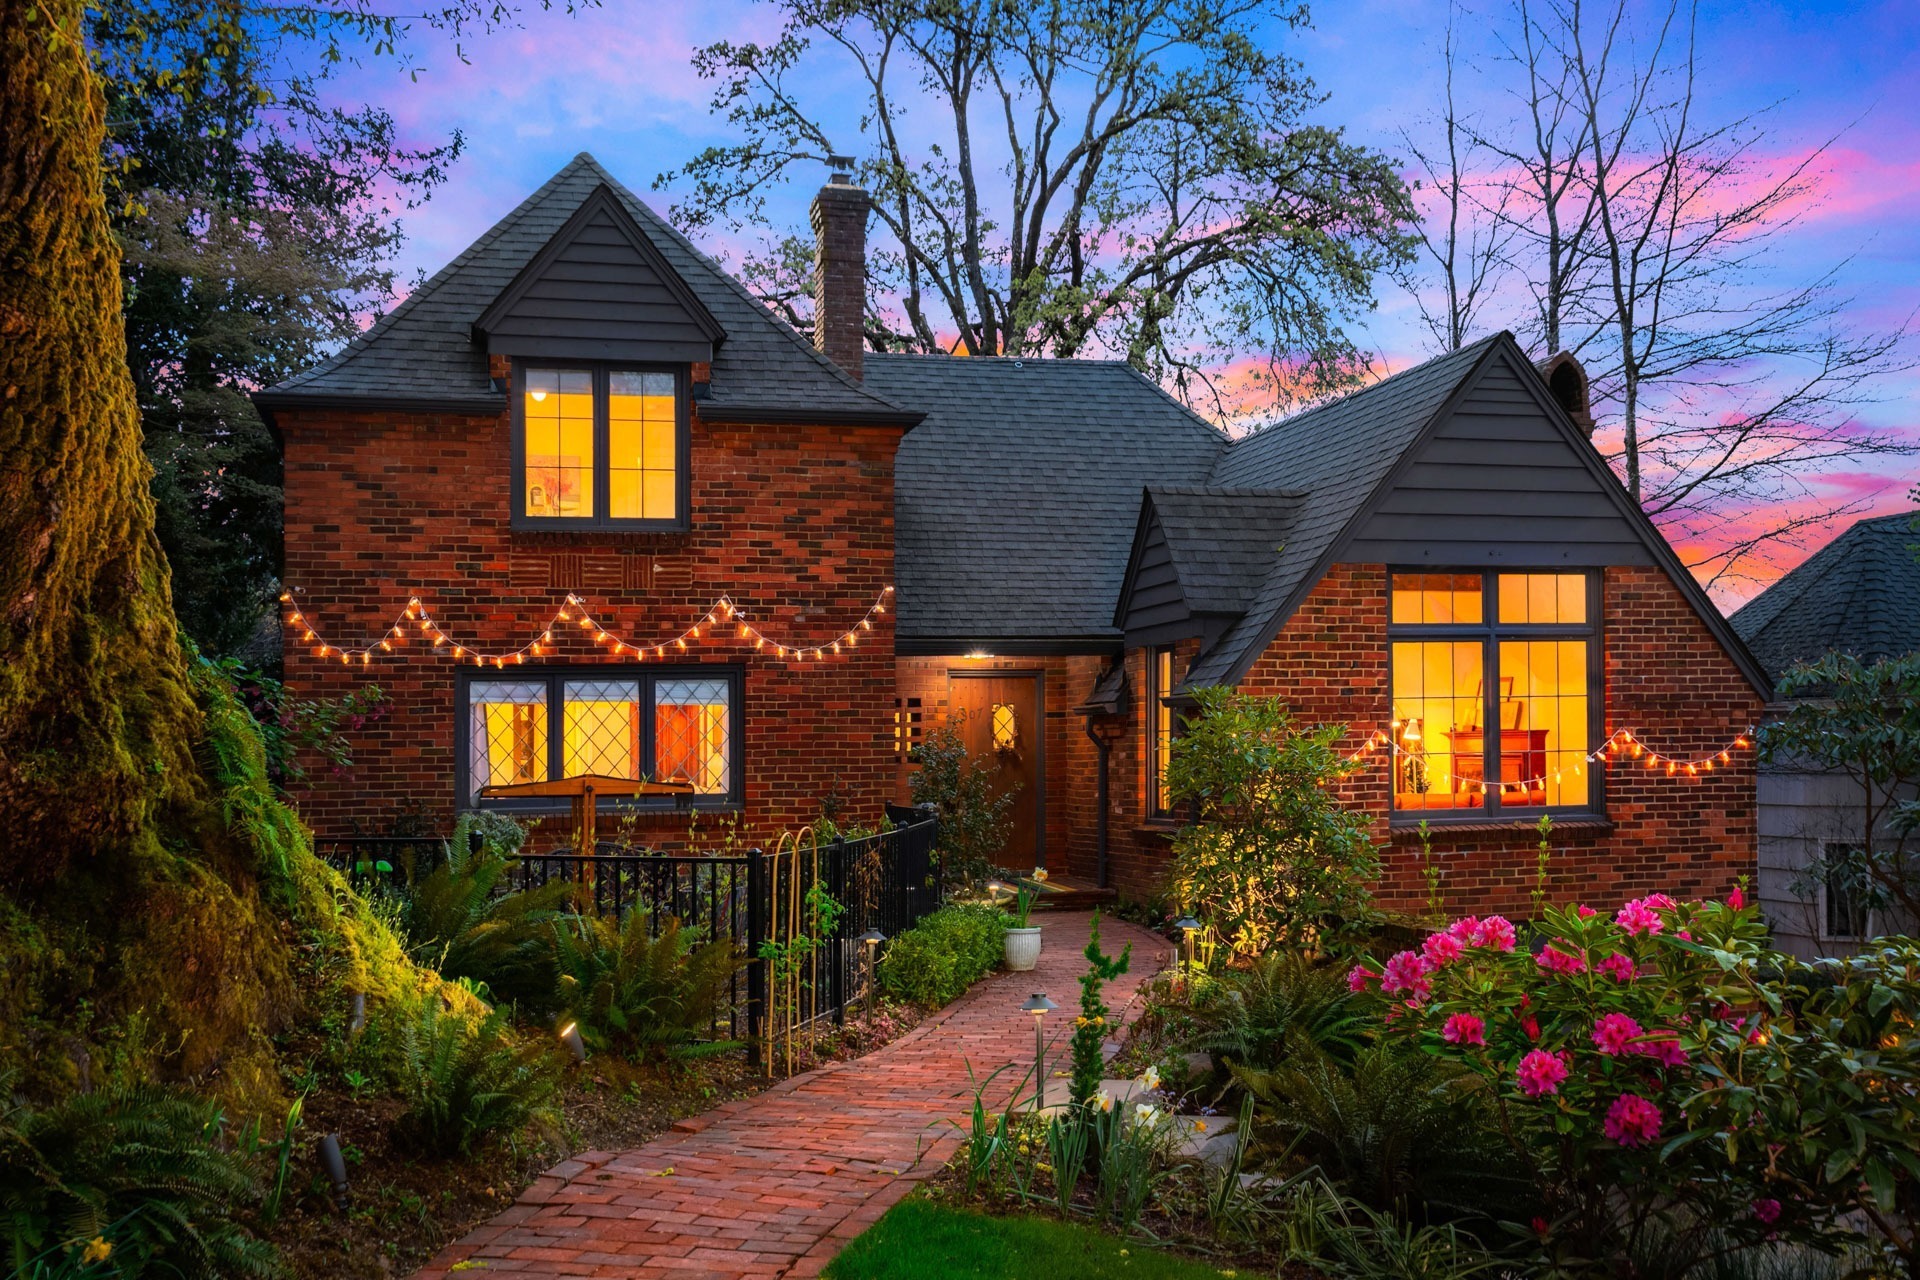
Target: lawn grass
{"x": 920, "y": 1240}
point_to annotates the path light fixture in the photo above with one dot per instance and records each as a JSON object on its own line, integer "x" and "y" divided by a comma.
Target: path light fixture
{"x": 1039, "y": 1006}
{"x": 994, "y": 890}
{"x": 336, "y": 1167}
{"x": 570, "y": 1037}
{"x": 1188, "y": 927}
{"x": 357, "y": 1020}
{"x": 873, "y": 938}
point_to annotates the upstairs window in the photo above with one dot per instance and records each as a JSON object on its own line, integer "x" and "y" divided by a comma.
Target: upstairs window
{"x": 596, "y": 447}
{"x": 1495, "y": 691}
{"x": 1160, "y": 729}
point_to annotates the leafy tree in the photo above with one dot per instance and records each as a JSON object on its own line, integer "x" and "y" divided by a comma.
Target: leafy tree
{"x": 973, "y": 815}
{"x": 1269, "y": 857}
{"x": 1861, "y": 720}
{"x": 1142, "y": 179}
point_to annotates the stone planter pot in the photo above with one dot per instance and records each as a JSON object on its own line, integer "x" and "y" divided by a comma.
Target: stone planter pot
{"x": 1023, "y": 948}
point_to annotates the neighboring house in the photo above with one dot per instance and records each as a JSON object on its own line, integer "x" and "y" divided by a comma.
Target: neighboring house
{"x": 1859, "y": 594}
{"x": 581, "y": 402}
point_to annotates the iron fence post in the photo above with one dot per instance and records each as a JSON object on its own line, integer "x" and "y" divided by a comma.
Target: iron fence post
{"x": 837, "y": 871}
{"x": 756, "y": 933}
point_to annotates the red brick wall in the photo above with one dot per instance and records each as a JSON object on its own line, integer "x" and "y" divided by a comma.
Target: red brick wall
{"x": 794, "y": 523}
{"x": 1666, "y": 679}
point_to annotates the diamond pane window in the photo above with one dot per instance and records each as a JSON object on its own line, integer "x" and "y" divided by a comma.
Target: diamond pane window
{"x": 602, "y": 728}
{"x": 508, "y": 732}
{"x": 692, "y": 741}
{"x": 1006, "y": 727}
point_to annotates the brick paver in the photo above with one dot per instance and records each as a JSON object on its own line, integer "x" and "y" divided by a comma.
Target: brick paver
{"x": 776, "y": 1184}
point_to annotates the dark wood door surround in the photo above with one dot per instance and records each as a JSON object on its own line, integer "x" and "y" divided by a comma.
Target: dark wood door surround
{"x": 1013, "y": 703}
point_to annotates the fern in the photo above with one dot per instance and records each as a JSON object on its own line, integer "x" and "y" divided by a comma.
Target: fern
{"x": 1394, "y": 1127}
{"x": 1282, "y": 999}
{"x": 638, "y": 995}
{"x": 466, "y": 1081}
{"x": 457, "y": 921}
{"x": 143, "y": 1169}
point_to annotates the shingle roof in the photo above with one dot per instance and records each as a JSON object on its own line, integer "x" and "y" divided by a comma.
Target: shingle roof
{"x": 1859, "y": 594}
{"x": 423, "y": 350}
{"x": 1337, "y": 453}
{"x": 1223, "y": 541}
{"x": 1016, "y": 498}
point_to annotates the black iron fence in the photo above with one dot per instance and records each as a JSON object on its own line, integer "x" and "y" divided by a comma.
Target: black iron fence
{"x": 884, "y": 882}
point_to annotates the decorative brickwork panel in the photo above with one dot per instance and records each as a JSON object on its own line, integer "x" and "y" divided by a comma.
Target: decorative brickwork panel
{"x": 795, "y": 522}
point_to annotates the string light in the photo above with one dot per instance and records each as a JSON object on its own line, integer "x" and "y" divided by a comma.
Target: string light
{"x": 1619, "y": 742}
{"x": 574, "y": 609}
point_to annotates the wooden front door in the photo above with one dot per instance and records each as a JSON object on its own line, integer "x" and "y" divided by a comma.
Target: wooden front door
{"x": 999, "y": 719}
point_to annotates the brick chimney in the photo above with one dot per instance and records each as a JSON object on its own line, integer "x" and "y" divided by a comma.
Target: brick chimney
{"x": 1567, "y": 379}
{"x": 840, "y": 268}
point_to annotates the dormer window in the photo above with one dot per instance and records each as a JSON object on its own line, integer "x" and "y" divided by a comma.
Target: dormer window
{"x": 599, "y": 447}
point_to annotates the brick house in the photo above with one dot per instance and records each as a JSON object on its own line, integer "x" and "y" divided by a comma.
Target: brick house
{"x": 583, "y": 407}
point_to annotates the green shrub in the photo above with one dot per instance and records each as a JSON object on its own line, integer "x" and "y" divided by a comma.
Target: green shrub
{"x": 140, "y": 1174}
{"x": 465, "y": 1080}
{"x": 1345, "y": 1240}
{"x": 456, "y": 921}
{"x": 1255, "y": 1016}
{"x": 638, "y": 995}
{"x": 934, "y": 962}
{"x": 973, "y": 810}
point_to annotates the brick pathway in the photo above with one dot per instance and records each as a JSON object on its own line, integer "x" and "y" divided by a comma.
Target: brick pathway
{"x": 776, "y": 1184}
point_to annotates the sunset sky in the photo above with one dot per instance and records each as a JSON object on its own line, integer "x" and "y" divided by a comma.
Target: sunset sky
{"x": 618, "y": 82}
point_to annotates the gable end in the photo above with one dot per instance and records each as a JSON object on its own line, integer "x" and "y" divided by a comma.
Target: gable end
{"x": 1152, "y": 608}
{"x": 600, "y": 290}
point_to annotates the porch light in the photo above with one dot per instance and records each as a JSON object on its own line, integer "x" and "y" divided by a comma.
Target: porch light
{"x": 1039, "y": 1006}
{"x": 570, "y": 1037}
{"x": 872, "y": 938}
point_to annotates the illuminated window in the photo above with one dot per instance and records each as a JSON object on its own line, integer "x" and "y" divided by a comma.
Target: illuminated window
{"x": 1160, "y": 727}
{"x": 1518, "y": 740}
{"x": 1006, "y": 727}
{"x": 599, "y": 447}
{"x": 673, "y": 725}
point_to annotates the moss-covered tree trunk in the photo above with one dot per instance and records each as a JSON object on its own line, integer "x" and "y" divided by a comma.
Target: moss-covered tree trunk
{"x": 120, "y": 884}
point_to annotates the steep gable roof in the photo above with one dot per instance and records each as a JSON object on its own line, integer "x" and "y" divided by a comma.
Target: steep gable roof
{"x": 1859, "y": 594}
{"x": 1213, "y": 544}
{"x": 422, "y": 352}
{"x": 1015, "y": 499}
{"x": 1351, "y": 454}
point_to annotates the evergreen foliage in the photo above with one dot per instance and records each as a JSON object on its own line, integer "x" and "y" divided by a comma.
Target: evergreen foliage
{"x": 1090, "y": 1028}
{"x": 467, "y": 1079}
{"x": 1256, "y": 1017}
{"x": 144, "y": 1171}
{"x": 637, "y": 995}
{"x": 973, "y": 813}
{"x": 458, "y": 922}
{"x": 934, "y": 962}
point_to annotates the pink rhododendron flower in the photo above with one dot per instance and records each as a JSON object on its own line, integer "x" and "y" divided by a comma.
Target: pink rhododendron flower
{"x": 1540, "y": 1073}
{"x": 1497, "y": 932}
{"x": 1359, "y": 977}
{"x": 1768, "y": 1211}
{"x": 1664, "y": 1049}
{"x": 1684, "y": 936}
{"x": 1565, "y": 963}
{"x": 1465, "y": 931}
{"x": 1614, "y": 1034}
{"x": 1639, "y": 918}
{"x": 1737, "y": 900}
{"x": 1407, "y": 972}
{"x": 1441, "y": 949}
{"x": 1632, "y": 1121}
{"x": 1618, "y": 967}
{"x": 1530, "y": 1025}
{"x": 1587, "y": 912}
{"x": 1464, "y": 1028}
{"x": 1658, "y": 901}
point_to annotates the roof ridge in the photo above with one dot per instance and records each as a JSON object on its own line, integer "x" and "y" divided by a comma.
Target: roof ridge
{"x": 359, "y": 344}
{"x": 1230, "y": 490}
{"x": 645, "y": 213}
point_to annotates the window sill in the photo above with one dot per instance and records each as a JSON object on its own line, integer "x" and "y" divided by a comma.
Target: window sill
{"x": 1405, "y": 828}
{"x": 1165, "y": 828}
{"x": 614, "y": 809}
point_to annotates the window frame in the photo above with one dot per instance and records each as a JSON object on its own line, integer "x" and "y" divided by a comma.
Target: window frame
{"x": 1490, "y": 632}
{"x": 1826, "y": 886}
{"x": 602, "y": 463}
{"x": 556, "y": 678}
{"x": 1159, "y": 707}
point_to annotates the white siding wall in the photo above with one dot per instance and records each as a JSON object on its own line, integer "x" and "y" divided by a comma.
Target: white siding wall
{"x": 1800, "y": 812}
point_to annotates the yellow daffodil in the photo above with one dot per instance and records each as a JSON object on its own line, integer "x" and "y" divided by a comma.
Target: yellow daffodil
{"x": 1103, "y": 1100}
{"x": 1150, "y": 1078}
{"x": 98, "y": 1249}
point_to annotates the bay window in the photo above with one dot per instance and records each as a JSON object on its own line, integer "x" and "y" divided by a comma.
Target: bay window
{"x": 1495, "y": 680}
{"x": 596, "y": 447}
{"x": 678, "y": 724}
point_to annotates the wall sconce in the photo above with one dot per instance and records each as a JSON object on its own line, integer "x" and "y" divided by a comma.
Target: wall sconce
{"x": 1039, "y": 1006}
